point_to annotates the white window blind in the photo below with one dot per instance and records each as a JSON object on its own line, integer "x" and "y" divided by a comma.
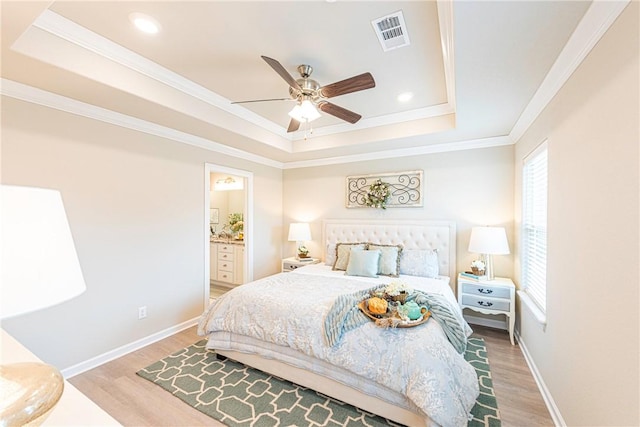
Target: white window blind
{"x": 534, "y": 226}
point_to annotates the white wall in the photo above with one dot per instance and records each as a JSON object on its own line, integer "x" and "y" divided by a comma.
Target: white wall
{"x": 136, "y": 208}
{"x": 473, "y": 187}
{"x": 588, "y": 354}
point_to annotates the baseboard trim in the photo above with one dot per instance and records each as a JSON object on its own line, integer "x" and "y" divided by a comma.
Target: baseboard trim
{"x": 544, "y": 391}
{"x": 94, "y": 362}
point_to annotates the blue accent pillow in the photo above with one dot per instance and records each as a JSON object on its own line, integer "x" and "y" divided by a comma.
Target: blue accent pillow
{"x": 363, "y": 263}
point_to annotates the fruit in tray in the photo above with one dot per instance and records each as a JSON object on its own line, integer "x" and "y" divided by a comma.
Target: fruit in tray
{"x": 377, "y": 305}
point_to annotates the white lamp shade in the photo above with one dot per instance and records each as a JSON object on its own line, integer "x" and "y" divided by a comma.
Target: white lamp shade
{"x": 40, "y": 267}
{"x": 299, "y": 231}
{"x": 489, "y": 240}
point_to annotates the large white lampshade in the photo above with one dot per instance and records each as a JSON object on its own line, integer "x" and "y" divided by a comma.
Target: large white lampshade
{"x": 489, "y": 241}
{"x": 40, "y": 268}
{"x": 299, "y": 232}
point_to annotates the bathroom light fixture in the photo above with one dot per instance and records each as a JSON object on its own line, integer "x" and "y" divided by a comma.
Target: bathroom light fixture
{"x": 304, "y": 112}
{"x": 40, "y": 268}
{"x": 489, "y": 241}
{"x": 228, "y": 183}
{"x": 144, "y": 23}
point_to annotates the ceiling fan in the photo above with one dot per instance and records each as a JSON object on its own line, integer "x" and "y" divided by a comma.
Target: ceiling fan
{"x": 310, "y": 96}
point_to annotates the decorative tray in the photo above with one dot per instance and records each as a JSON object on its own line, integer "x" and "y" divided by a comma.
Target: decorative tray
{"x": 380, "y": 318}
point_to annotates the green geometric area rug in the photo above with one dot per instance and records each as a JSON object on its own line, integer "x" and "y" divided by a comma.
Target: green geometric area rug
{"x": 239, "y": 396}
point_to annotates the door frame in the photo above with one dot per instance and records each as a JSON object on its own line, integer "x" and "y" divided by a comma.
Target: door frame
{"x": 210, "y": 168}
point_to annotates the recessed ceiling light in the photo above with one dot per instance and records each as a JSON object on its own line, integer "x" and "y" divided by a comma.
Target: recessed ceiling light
{"x": 144, "y": 23}
{"x": 405, "y": 96}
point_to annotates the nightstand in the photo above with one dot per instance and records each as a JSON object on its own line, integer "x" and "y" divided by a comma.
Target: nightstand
{"x": 495, "y": 296}
{"x": 290, "y": 264}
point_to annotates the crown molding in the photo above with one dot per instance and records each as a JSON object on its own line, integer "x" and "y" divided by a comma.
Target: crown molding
{"x": 389, "y": 119}
{"x": 37, "y": 96}
{"x": 445, "y": 19}
{"x": 595, "y": 22}
{"x": 68, "y": 30}
{"x": 470, "y": 144}
{"x": 47, "y": 99}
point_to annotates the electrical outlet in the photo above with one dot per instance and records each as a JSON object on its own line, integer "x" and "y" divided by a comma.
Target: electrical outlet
{"x": 142, "y": 312}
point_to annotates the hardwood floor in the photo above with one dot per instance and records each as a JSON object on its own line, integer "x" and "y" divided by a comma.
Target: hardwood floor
{"x": 134, "y": 401}
{"x": 217, "y": 289}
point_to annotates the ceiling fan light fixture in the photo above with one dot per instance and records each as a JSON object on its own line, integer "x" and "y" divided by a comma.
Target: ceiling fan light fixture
{"x": 304, "y": 112}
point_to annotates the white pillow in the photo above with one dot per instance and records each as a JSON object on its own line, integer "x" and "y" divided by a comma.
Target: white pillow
{"x": 330, "y": 257}
{"x": 342, "y": 254}
{"x": 389, "y": 264}
{"x": 419, "y": 262}
{"x": 363, "y": 263}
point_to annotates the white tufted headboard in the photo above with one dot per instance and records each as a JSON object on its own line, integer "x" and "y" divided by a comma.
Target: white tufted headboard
{"x": 413, "y": 234}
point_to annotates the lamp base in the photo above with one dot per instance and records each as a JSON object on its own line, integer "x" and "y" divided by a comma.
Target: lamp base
{"x": 28, "y": 393}
{"x": 489, "y": 265}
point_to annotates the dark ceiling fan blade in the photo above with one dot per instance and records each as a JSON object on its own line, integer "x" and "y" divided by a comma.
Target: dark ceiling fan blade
{"x": 278, "y": 68}
{"x": 294, "y": 125}
{"x": 339, "y": 112}
{"x": 353, "y": 84}
{"x": 263, "y": 100}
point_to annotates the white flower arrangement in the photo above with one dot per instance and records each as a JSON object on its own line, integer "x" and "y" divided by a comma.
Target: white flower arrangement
{"x": 302, "y": 250}
{"x": 397, "y": 287}
{"x": 378, "y": 195}
{"x": 478, "y": 264}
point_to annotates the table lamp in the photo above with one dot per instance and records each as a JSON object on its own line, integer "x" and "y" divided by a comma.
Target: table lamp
{"x": 40, "y": 268}
{"x": 300, "y": 232}
{"x": 489, "y": 241}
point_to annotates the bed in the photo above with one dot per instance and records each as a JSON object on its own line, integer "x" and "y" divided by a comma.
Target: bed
{"x": 413, "y": 376}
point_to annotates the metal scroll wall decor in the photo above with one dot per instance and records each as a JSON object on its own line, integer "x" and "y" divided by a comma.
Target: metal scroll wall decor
{"x": 405, "y": 189}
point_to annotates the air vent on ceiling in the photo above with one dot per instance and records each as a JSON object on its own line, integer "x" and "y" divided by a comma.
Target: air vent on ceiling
{"x": 391, "y": 31}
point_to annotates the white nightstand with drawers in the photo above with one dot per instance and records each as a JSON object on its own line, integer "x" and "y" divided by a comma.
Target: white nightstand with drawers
{"x": 495, "y": 296}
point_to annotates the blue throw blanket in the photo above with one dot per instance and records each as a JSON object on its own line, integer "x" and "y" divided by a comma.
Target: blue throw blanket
{"x": 345, "y": 315}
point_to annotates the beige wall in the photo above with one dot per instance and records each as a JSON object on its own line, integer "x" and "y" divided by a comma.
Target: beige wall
{"x": 135, "y": 204}
{"x": 588, "y": 353}
{"x": 473, "y": 187}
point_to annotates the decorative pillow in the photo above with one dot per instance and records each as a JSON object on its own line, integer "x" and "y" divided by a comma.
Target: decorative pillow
{"x": 389, "y": 264}
{"x": 419, "y": 262}
{"x": 330, "y": 258}
{"x": 363, "y": 263}
{"x": 342, "y": 254}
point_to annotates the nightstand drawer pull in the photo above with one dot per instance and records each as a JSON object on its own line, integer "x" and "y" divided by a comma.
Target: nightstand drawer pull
{"x": 490, "y": 303}
{"x": 494, "y": 291}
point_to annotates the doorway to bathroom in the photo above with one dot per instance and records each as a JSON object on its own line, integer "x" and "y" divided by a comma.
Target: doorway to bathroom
{"x": 228, "y": 229}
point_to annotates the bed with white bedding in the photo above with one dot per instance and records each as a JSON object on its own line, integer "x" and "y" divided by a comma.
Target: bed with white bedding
{"x": 410, "y": 375}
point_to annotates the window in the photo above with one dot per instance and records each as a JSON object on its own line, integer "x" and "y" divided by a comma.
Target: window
{"x": 534, "y": 226}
